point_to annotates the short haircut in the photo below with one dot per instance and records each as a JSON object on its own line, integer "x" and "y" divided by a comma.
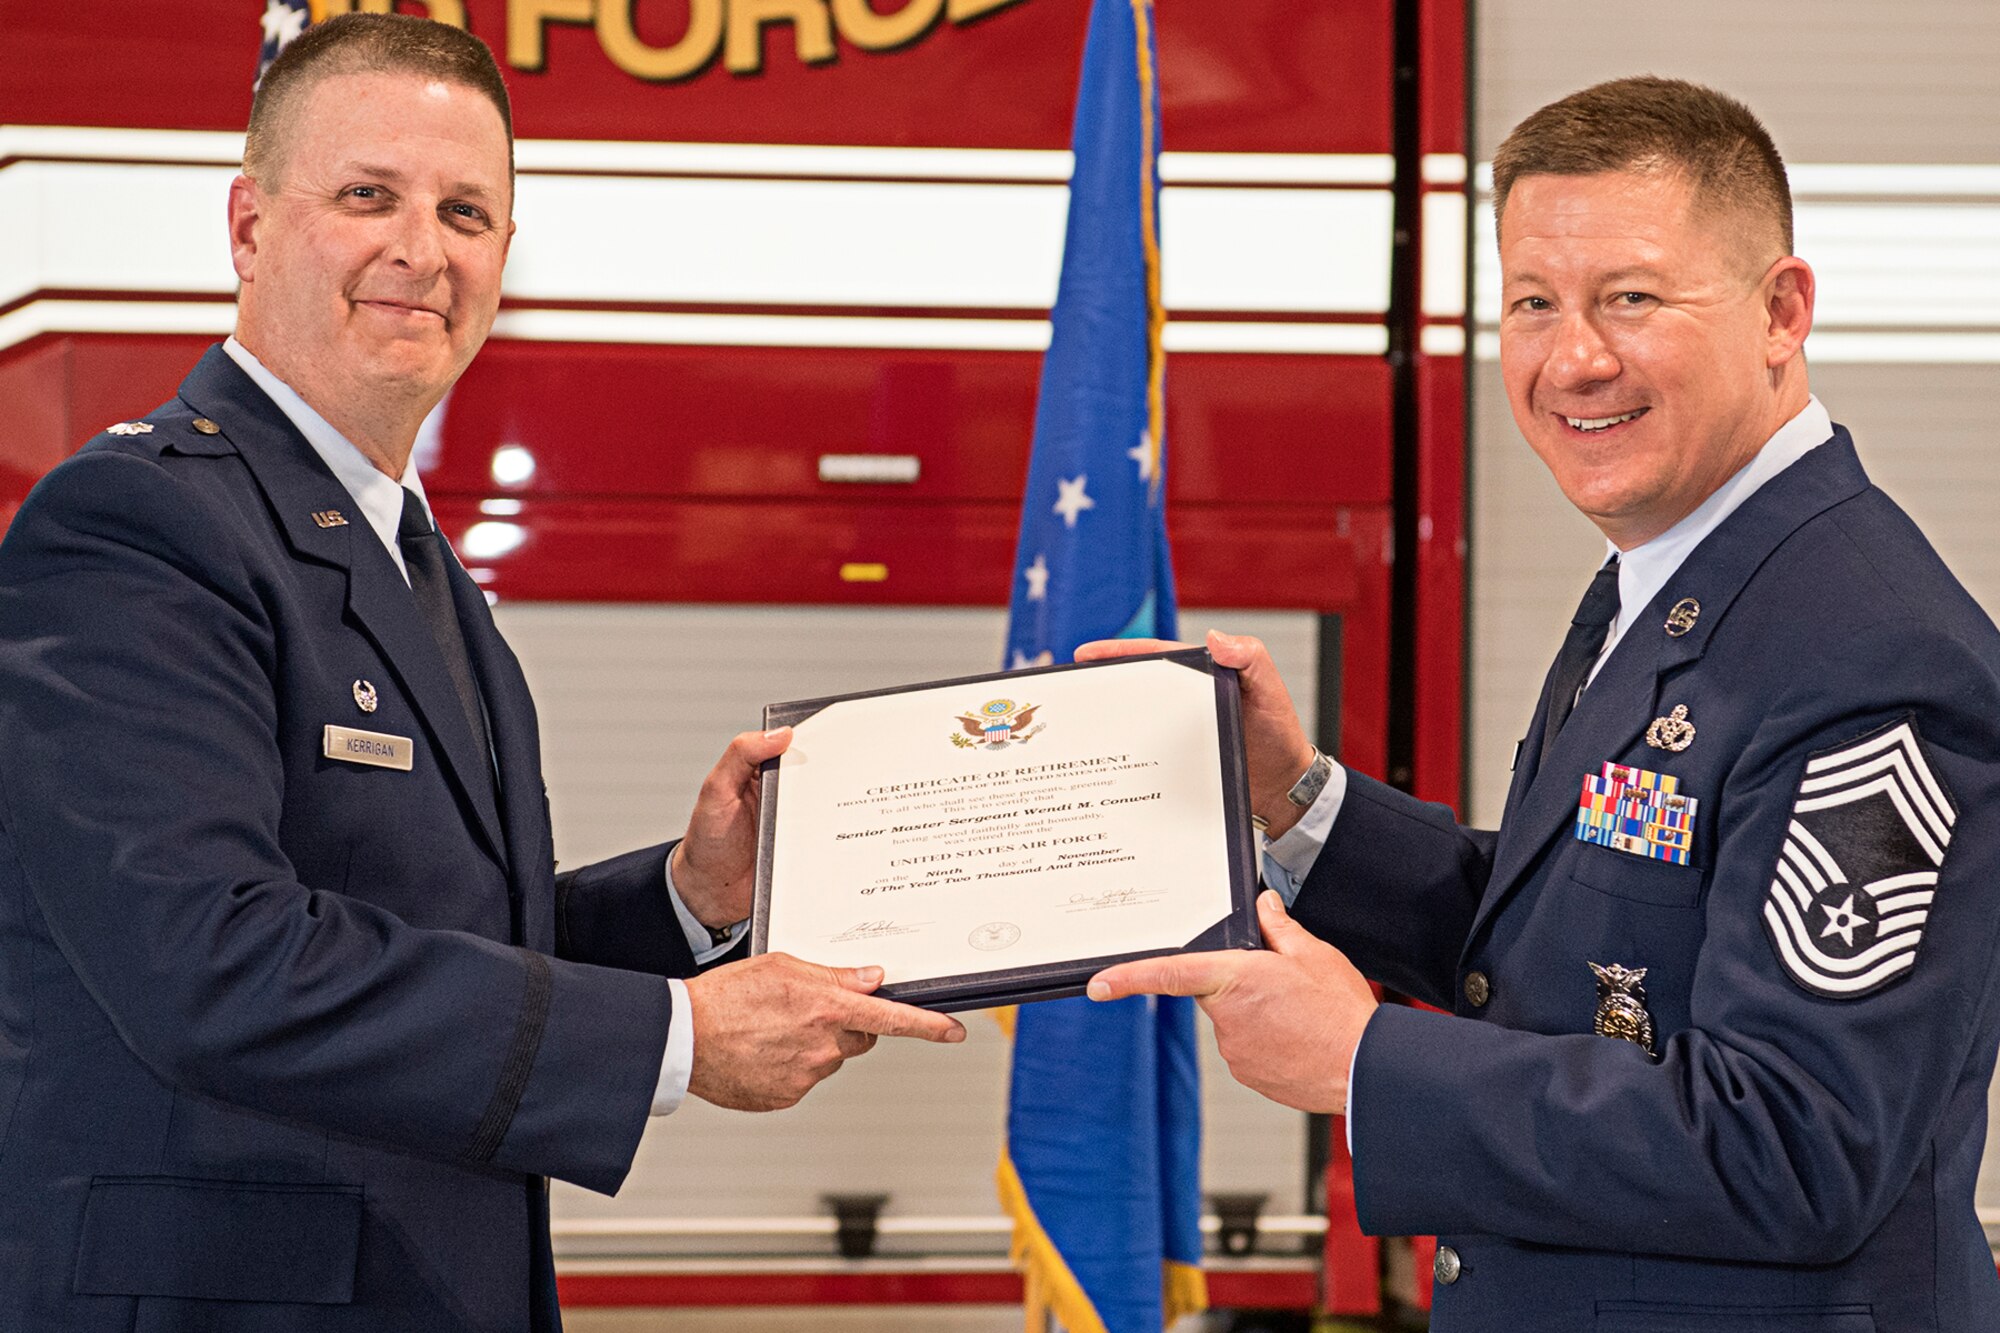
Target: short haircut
{"x": 1655, "y": 126}
{"x": 365, "y": 44}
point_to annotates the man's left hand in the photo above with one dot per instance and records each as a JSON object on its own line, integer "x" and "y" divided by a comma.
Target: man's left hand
{"x": 1287, "y": 1018}
{"x": 714, "y": 867}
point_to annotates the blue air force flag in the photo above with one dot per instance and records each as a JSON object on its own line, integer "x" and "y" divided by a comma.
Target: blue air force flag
{"x": 1101, "y": 1171}
{"x": 1092, "y": 559}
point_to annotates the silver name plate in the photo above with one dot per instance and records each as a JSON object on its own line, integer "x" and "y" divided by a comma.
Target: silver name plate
{"x": 369, "y": 747}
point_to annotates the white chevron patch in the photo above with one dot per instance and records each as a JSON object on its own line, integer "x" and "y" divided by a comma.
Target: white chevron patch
{"x": 1859, "y": 866}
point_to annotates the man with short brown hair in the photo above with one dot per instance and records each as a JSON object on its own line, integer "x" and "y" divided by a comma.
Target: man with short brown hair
{"x": 1720, "y": 1003}
{"x": 1649, "y": 125}
{"x": 295, "y": 1015}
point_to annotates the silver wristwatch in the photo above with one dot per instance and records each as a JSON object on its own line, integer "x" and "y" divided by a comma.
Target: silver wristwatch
{"x": 1307, "y": 789}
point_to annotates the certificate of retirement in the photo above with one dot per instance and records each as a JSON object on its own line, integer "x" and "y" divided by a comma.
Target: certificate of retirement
{"x": 1001, "y": 838}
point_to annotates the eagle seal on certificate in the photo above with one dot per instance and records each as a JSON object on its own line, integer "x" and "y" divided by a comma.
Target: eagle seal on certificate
{"x": 996, "y": 724}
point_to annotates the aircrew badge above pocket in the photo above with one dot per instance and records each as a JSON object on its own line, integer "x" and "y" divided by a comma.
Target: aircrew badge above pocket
{"x": 1859, "y": 866}
{"x": 1638, "y": 811}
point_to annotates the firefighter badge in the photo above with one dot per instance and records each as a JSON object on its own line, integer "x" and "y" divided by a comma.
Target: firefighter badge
{"x": 1859, "y": 865}
{"x": 1621, "y": 1006}
{"x": 996, "y": 724}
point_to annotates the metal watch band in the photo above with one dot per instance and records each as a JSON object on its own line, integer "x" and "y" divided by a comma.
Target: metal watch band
{"x": 1307, "y": 789}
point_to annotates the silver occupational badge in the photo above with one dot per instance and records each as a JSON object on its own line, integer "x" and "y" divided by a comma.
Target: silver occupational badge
{"x": 1621, "y": 1006}
{"x": 364, "y": 696}
{"x": 131, "y": 428}
{"x": 1673, "y": 732}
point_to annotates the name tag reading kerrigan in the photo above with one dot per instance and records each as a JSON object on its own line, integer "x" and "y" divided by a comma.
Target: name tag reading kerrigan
{"x": 369, "y": 747}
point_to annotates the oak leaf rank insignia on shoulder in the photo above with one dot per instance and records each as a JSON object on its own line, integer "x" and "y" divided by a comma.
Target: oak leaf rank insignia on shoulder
{"x": 1859, "y": 867}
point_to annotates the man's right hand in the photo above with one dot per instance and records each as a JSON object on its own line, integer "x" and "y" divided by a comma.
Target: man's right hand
{"x": 768, "y": 1028}
{"x": 1273, "y": 740}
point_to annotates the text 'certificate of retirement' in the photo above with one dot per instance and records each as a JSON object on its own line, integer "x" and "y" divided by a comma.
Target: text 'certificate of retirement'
{"x": 1004, "y": 837}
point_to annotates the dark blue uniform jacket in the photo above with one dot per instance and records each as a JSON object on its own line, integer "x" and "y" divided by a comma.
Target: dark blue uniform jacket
{"x": 1797, "y": 1157}
{"x": 286, "y": 1043}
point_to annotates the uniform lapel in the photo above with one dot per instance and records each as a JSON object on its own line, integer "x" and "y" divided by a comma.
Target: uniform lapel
{"x": 379, "y": 599}
{"x": 517, "y": 744}
{"x": 1528, "y": 758}
{"x": 1623, "y": 700}
{"x": 1609, "y": 717}
{"x": 298, "y": 486}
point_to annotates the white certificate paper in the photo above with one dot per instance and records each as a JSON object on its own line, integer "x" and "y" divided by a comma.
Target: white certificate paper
{"x": 1008, "y": 824}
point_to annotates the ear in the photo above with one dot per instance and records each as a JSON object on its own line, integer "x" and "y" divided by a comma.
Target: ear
{"x": 246, "y": 209}
{"x": 1787, "y": 293}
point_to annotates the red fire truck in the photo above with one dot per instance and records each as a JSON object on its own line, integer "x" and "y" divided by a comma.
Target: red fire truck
{"x": 771, "y": 336}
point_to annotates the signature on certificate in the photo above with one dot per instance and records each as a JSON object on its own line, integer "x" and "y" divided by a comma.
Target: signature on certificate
{"x": 875, "y": 930}
{"x": 1109, "y": 898}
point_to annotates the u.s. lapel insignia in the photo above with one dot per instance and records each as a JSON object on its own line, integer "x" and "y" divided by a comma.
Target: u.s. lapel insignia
{"x": 365, "y": 697}
{"x": 1621, "y": 1006}
{"x": 1859, "y": 866}
{"x": 203, "y": 426}
{"x": 130, "y": 428}
{"x": 329, "y": 518}
{"x": 1639, "y": 811}
{"x": 1681, "y": 619}
{"x": 1673, "y": 732}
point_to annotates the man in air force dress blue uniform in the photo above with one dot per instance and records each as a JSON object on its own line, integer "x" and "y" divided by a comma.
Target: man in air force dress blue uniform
{"x": 1720, "y": 1003}
{"x": 295, "y": 1015}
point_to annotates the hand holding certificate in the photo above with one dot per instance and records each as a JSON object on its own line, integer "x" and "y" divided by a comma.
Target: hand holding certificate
{"x": 1002, "y": 838}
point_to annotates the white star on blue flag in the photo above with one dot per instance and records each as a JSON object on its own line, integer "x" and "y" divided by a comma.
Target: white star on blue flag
{"x": 1073, "y": 500}
{"x": 1037, "y": 576}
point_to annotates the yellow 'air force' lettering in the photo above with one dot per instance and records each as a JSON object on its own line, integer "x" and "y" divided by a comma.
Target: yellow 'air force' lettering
{"x": 735, "y": 28}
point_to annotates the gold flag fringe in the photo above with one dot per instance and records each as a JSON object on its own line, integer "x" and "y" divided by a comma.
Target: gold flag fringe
{"x": 1184, "y": 1288}
{"x": 1047, "y": 1284}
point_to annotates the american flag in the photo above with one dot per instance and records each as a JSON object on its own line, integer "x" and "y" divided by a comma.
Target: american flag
{"x": 283, "y": 20}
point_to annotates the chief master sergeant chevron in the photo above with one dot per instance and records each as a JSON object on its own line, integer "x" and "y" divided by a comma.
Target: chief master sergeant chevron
{"x": 1720, "y": 994}
{"x": 295, "y": 1015}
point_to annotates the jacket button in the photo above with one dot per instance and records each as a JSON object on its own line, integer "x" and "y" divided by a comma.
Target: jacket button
{"x": 1478, "y": 990}
{"x": 1446, "y": 1267}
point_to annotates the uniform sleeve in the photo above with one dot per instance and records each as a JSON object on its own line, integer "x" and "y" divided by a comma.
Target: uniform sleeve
{"x": 617, "y": 914}
{"x": 1396, "y": 888}
{"x": 1782, "y": 1122}
{"x": 622, "y": 913}
{"x": 142, "y": 798}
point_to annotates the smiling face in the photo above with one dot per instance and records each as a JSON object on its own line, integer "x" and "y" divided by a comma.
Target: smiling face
{"x": 371, "y": 265}
{"x": 1649, "y": 346}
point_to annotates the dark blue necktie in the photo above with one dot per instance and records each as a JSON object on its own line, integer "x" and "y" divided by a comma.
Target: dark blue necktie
{"x": 1585, "y": 640}
{"x": 424, "y": 557}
